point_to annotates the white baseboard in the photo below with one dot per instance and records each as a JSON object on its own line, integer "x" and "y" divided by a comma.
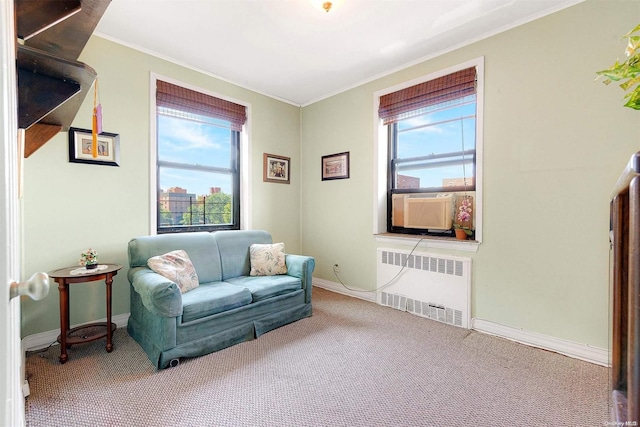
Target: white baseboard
{"x": 585, "y": 352}
{"x": 340, "y": 289}
{"x": 45, "y": 339}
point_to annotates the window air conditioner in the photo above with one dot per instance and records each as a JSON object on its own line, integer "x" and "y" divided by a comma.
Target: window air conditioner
{"x": 428, "y": 213}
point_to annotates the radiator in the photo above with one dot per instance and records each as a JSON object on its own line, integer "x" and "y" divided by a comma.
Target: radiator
{"x": 428, "y": 285}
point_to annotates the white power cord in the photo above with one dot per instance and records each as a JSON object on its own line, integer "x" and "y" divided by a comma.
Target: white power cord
{"x": 335, "y": 272}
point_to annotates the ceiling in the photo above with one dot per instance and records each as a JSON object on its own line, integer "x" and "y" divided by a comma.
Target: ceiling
{"x": 295, "y": 52}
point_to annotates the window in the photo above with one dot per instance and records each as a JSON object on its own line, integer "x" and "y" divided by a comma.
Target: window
{"x": 198, "y": 160}
{"x": 431, "y": 131}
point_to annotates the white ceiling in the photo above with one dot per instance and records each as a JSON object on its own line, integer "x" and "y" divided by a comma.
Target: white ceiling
{"x": 290, "y": 50}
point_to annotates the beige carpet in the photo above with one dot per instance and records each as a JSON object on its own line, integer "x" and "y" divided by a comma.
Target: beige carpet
{"x": 353, "y": 363}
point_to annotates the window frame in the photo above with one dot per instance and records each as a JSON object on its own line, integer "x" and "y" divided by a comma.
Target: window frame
{"x": 382, "y": 161}
{"x": 241, "y": 179}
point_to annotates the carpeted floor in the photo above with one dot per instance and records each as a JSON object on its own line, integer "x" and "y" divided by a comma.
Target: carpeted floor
{"x": 353, "y": 363}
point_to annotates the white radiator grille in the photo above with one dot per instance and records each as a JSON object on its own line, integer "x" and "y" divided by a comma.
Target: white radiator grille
{"x": 428, "y": 285}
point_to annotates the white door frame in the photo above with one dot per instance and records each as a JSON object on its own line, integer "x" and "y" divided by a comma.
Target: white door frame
{"x": 11, "y": 398}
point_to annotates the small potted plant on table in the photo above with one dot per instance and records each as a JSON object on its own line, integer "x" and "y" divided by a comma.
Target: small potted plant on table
{"x": 89, "y": 259}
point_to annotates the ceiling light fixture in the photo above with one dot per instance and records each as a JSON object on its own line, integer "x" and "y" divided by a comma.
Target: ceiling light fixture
{"x": 326, "y": 5}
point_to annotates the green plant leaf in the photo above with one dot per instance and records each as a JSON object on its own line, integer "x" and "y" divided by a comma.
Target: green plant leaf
{"x": 630, "y": 83}
{"x": 615, "y": 66}
{"x": 626, "y": 36}
{"x": 634, "y": 99}
{"x": 614, "y": 75}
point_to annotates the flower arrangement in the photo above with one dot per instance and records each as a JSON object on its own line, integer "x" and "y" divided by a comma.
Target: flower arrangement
{"x": 464, "y": 215}
{"x": 89, "y": 257}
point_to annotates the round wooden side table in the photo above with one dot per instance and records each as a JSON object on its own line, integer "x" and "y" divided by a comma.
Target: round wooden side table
{"x": 89, "y": 332}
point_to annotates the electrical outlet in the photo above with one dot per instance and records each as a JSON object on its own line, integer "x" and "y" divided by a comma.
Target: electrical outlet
{"x": 336, "y": 268}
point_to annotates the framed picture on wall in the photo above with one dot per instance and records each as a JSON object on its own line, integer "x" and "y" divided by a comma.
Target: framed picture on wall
{"x": 335, "y": 166}
{"x": 81, "y": 148}
{"x": 276, "y": 168}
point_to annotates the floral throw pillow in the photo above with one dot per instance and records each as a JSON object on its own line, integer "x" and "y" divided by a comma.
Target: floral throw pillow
{"x": 177, "y": 267}
{"x": 267, "y": 260}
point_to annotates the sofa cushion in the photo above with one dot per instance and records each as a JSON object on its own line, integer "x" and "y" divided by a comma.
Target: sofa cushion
{"x": 177, "y": 267}
{"x": 211, "y": 298}
{"x": 263, "y": 287}
{"x": 267, "y": 260}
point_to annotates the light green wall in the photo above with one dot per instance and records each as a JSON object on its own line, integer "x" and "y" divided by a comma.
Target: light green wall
{"x": 68, "y": 207}
{"x": 554, "y": 145}
{"x": 554, "y": 140}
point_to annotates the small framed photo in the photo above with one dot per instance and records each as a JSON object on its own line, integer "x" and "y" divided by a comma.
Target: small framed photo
{"x": 335, "y": 166}
{"x": 276, "y": 168}
{"x": 81, "y": 148}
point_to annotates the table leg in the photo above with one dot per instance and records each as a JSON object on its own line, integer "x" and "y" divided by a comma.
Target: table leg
{"x": 109, "y": 280}
{"x": 63, "y": 289}
{"x": 68, "y": 311}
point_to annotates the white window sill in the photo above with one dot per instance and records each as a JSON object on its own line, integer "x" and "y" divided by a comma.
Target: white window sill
{"x": 429, "y": 241}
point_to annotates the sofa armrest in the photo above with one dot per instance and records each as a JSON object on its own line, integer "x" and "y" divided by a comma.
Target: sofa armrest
{"x": 302, "y": 267}
{"x": 159, "y": 295}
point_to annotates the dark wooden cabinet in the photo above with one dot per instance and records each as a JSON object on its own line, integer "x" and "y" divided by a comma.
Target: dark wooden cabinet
{"x": 625, "y": 241}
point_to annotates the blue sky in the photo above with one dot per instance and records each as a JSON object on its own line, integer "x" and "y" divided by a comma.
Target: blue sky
{"x": 191, "y": 142}
{"x": 436, "y": 133}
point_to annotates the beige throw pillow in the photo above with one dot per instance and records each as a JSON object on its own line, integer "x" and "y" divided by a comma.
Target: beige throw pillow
{"x": 267, "y": 260}
{"x": 177, "y": 267}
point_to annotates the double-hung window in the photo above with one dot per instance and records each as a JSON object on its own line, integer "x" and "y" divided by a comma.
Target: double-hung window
{"x": 198, "y": 160}
{"x": 432, "y": 158}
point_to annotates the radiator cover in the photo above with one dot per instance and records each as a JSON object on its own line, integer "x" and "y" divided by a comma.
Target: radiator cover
{"x": 434, "y": 286}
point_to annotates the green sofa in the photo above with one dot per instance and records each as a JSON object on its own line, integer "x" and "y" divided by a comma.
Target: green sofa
{"x": 228, "y": 307}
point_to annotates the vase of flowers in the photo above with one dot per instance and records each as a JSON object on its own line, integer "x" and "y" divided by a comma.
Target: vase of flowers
{"x": 89, "y": 259}
{"x": 463, "y": 217}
